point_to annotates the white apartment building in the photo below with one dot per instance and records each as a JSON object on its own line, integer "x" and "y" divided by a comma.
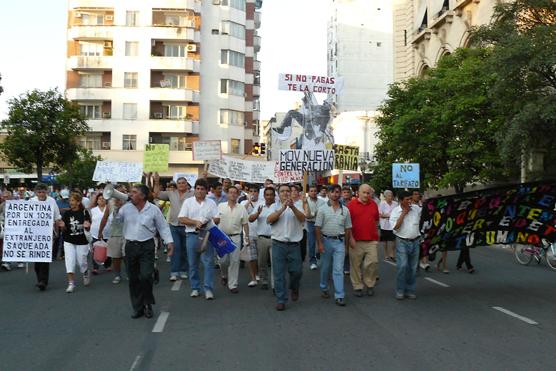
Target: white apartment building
{"x": 360, "y": 50}
{"x": 165, "y": 71}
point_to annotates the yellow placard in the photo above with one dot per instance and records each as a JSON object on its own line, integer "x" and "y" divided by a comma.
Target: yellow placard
{"x": 156, "y": 157}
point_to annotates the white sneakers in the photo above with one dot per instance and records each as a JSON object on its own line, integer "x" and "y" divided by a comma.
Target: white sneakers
{"x": 313, "y": 266}
{"x": 252, "y": 284}
{"x": 184, "y": 276}
{"x": 173, "y": 278}
{"x": 117, "y": 280}
{"x": 71, "y": 287}
{"x": 209, "y": 295}
{"x": 86, "y": 279}
{"x": 194, "y": 293}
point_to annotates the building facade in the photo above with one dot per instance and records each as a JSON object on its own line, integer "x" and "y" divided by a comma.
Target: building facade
{"x": 165, "y": 72}
{"x": 426, "y": 30}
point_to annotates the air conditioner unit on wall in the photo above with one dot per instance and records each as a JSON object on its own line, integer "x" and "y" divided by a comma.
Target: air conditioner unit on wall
{"x": 109, "y": 17}
{"x": 157, "y": 115}
{"x": 191, "y": 47}
{"x": 105, "y": 145}
{"x": 78, "y": 15}
{"x": 108, "y": 44}
{"x": 106, "y": 115}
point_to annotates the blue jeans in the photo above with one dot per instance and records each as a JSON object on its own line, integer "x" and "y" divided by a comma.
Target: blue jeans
{"x": 207, "y": 258}
{"x": 311, "y": 242}
{"x": 179, "y": 258}
{"x": 334, "y": 255}
{"x": 285, "y": 255}
{"x": 407, "y": 258}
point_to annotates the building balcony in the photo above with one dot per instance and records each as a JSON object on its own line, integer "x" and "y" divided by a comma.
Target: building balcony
{"x": 256, "y": 91}
{"x": 78, "y": 62}
{"x": 257, "y": 43}
{"x": 256, "y": 65}
{"x": 91, "y": 4}
{"x": 173, "y": 95}
{"x": 174, "y": 63}
{"x": 161, "y": 32}
{"x": 174, "y": 126}
{"x": 256, "y": 115}
{"x": 101, "y": 32}
{"x": 194, "y": 5}
{"x": 89, "y": 94}
{"x": 257, "y": 19}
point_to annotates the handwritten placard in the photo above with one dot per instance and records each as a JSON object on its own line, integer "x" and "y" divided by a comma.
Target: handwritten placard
{"x": 306, "y": 160}
{"x": 405, "y": 176}
{"x": 156, "y": 157}
{"x": 252, "y": 171}
{"x": 116, "y": 171}
{"x": 346, "y": 157}
{"x": 207, "y": 150}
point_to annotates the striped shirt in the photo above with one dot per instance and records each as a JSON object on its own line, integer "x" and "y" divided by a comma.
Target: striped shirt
{"x": 333, "y": 222}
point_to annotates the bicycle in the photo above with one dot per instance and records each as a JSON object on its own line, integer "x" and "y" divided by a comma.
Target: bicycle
{"x": 524, "y": 254}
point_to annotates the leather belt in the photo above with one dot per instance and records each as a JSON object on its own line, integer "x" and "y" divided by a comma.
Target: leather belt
{"x": 338, "y": 237}
{"x": 409, "y": 239}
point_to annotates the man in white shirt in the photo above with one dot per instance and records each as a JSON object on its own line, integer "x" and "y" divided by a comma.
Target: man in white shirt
{"x": 405, "y": 221}
{"x": 141, "y": 221}
{"x": 286, "y": 222}
{"x": 231, "y": 218}
{"x": 42, "y": 270}
{"x": 264, "y": 232}
{"x": 197, "y": 213}
{"x": 314, "y": 203}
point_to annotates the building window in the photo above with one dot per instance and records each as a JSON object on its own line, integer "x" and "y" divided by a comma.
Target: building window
{"x": 232, "y": 87}
{"x": 175, "y": 81}
{"x": 92, "y": 142}
{"x": 175, "y": 50}
{"x": 129, "y": 142}
{"x": 235, "y": 144}
{"x": 175, "y": 112}
{"x": 229, "y": 117}
{"x": 90, "y": 111}
{"x": 130, "y": 111}
{"x": 233, "y": 29}
{"x": 131, "y": 17}
{"x": 131, "y": 48}
{"x": 90, "y": 49}
{"x": 232, "y": 58}
{"x": 90, "y": 80}
{"x": 130, "y": 79}
{"x": 92, "y": 19}
{"x": 236, "y": 4}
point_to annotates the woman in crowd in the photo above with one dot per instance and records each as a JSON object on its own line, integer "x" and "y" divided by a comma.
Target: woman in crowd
{"x": 97, "y": 213}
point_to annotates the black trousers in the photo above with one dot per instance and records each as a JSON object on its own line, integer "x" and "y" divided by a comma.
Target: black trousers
{"x": 303, "y": 245}
{"x": 42, "y": 270}
{"x": 464, "y": 257}
{"x": 139, "y": 260}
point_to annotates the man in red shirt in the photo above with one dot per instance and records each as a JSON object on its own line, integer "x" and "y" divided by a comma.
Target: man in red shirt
{"x": 364, "y": 241}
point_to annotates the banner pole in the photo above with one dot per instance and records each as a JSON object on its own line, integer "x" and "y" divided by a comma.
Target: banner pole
{"x": 305, "y": 179}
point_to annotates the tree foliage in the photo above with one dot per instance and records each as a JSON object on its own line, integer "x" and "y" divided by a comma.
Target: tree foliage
{"x": 444, "y": 121}
{"x": 79, "y": 172}
{"x": 42, "y": 128}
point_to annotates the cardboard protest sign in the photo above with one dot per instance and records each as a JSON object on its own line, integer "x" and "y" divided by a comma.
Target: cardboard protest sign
{"x": 251, "y": 171}
{"x": 522, "y": 214}
{"x": 346, "y": 157}
{"x": 155, "y": 158}
{"x": 115, "y": 171}
{"x": 405, "y": 176}
{"x": 190, "y": 177}
{"x": 310, "y": 83}
{"x": 28, "y": 228}
{"x": 207, "y": 150}
{"x": 306, "y": 160}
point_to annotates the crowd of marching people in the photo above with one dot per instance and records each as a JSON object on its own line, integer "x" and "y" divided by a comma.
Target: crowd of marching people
{"x": 276, "y": 228}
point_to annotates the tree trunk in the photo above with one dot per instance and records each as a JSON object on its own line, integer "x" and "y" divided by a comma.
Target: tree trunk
{"x": 39, "y": 164}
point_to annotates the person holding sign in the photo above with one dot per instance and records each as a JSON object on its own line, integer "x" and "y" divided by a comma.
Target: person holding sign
{"x": 141, "y": 221}
{"x": 76, "y": 247}
{"x": 42, "y": 270}
{"x": 286, "y": 222}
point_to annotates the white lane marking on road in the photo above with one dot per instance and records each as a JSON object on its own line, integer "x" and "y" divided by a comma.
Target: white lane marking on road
{"x": 389, "y": 262}
{"x": 136, "y": 363}
{"x": 436, "y": 282}
{"x": 176, "y": 286}
{"x": 510, "y": 313}
{"x": 161, "y": 322}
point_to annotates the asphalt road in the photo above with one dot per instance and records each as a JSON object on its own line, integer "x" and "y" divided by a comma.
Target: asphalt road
{"x": 453, "y": 324}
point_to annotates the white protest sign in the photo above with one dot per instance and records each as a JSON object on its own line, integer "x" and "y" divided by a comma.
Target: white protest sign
{"x": 405, "y": 176}
{"x": 252, "y": 171}
{"x": 306, "y": 160}
{"x": 207, "y": 150}
{"x": 115, "y": 171}
{"x": 310, "y": 83}
{"x": 28, "y": 227}
{"x": 190, "y": 177}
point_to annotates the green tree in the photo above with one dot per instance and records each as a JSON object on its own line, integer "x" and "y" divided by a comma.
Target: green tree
{"x": 79, "y": 172}
{"x": 522, "y": 40}
{"x": 42, "y": 128}
{"x": 444, "y": 121}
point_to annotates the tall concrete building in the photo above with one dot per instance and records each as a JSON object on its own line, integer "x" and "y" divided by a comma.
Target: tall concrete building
{"x": 360, "y": 51}
{"x": 165, "y": 71}
{"x": 426, "y": 30}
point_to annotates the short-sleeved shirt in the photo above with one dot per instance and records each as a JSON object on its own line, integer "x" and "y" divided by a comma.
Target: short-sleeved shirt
{"x": 232, "y": 219}
{"x": 74, "y": 232}
{"x": 251, "y": 208}
{"x": 193, "y": 209}
{"x": 53, "y": 204}
{"x": 218, "y": 200}
{"x": 115, "y": 225}
{"x": 333, "y": 222}
{"x": 410, "y": 225}
{"x": 142, "y": 225}
{"x": 287, "y": 228}
{"x": 176, "y": 202}
{"x": 263, "y": 228}
{"x": 364, "y": 218}
{"x": 386, "y": 209}
{"x": 314, "y": 207}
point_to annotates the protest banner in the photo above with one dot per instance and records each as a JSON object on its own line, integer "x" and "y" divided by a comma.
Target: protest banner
{"x": 310, "y": 83}
{"x": 521, "y": 214}
{"x": 155, "y": 158}
{"x": 28, "y": 228}
{"x": 346, "y": 157}
{"x": 306, "y": 160}
{"x": 115, "y": 171}
{"x": 207, "y": 150}
{"x": 405, "y": 176}
{"x": 251, "y": 171}
{"x": 190, "y": 177}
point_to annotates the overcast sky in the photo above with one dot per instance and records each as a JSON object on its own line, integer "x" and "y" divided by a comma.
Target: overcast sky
{"x": 33, "y": 50}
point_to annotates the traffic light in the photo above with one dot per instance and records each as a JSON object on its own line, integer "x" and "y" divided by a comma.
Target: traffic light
{"x": 263, "y": 148}
{"x": 256, "y": 149}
